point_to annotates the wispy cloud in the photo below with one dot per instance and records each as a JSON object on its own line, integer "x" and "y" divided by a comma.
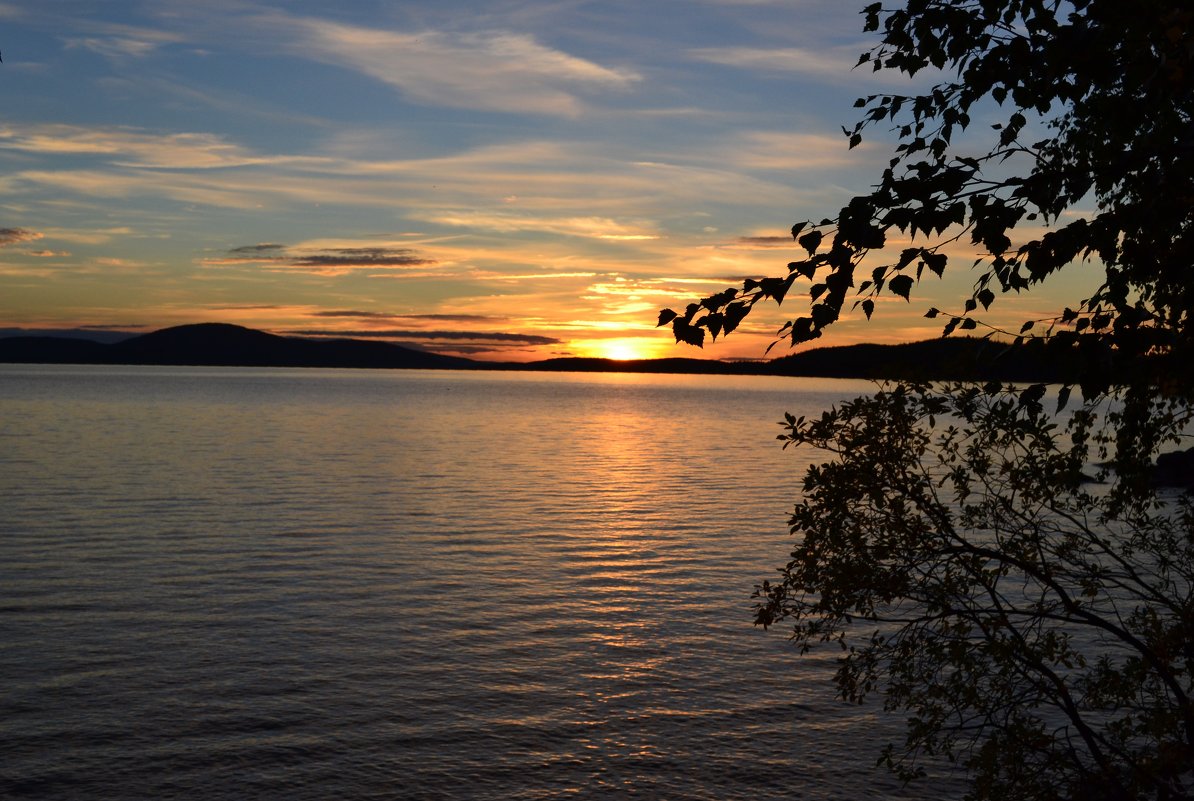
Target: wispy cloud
{"x": 121, "y": 42}
{"x": 372, "y": 315}
{"x": 89, "y": 236}
{"x": 115, "y": 47}
{"x": 484, "y": 70}
{"x": 495, "y": 276}
{"x": 781, "y": 150}
{"x": 832, "y": 63}
{"x": 582, "y": 189}
{"x": 589, "y": 227}
{"x": 128, "y": 147}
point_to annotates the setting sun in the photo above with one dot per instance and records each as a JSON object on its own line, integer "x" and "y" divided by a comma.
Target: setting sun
{"x": 625, "y": 349}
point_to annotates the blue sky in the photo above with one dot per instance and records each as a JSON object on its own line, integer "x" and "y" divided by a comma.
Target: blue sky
{"x": 509, "y": 179}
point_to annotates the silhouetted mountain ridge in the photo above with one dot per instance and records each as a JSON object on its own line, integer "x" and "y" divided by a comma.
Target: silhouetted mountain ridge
{"x": 223, "y": 344}
{"x": 226, "y": 345}
{"x": 942, "y": 359}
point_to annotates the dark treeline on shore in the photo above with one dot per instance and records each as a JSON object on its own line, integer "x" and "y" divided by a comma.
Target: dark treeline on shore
{"x": 219, "y": 344}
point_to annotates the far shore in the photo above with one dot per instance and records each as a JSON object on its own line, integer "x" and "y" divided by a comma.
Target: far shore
{"x": 221, "y": 344}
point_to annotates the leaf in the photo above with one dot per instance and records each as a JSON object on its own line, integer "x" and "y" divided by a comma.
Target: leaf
{"x": 665, "y": 317}
{"x": 785, "y": 285}
{"x": 871, "y": 13}
{"x": 1032, "y": 395}
{"x": 936, "y": 262}
{"x": 969, "y": 325}
{"x": 714, "y": 323}
{"x": 906, "y": 257}
{"x": 687, "y": 333}
{"x": 868, "y": 307}
{"x": 986, "y": 297}
{"x": 1063, "y": 396}
{"x": 901, "y": 285}
{"x": 823, "y": 314}
{"x": 933, "y": 312}
{"x": 806, "y": 268}
{"x": 734, "y": 314}
{"x": 811, "y": 241}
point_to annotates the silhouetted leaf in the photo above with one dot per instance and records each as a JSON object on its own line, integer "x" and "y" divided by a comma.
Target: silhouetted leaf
{"x": 734, "y": 314}
{"x": 1032, "y": 395}
{"x": 901, "y": 285}
{"x": 1063, "y": 397}
{"x": 811, "y": 241}
{"x": 687, "y": 333}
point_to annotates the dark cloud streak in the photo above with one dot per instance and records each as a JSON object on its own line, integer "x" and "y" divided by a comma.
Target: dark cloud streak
{"x": 263, "y": 248}
{"x": 362, "y": 257}
{"x": 764, "y": 241}
{"x": 11, "y": 236}
{"x": 468, "y": 336}
{"x": 273, "y": 254}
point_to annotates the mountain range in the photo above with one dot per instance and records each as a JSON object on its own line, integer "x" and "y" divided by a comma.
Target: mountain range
{"x": 960, "y": 358}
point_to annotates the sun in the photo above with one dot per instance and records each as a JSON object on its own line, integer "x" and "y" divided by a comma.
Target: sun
{"x": 624, "y": 349}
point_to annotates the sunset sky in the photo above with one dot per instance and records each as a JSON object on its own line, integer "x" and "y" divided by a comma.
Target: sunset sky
{"x": 503, "y": 179}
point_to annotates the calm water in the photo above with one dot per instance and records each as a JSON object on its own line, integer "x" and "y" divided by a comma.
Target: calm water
{"x": 310, "y": 584}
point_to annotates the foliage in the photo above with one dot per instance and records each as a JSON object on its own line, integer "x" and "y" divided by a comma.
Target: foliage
{"x": 1108, "y": 87}
{"x": 1037, "y": 627}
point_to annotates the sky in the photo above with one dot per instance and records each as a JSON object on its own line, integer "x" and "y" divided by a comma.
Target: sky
{"x": 499, "y": 179}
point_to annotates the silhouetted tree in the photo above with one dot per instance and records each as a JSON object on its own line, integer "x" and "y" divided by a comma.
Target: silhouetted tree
{"x": 1036, "y": 626}
{"x": 1106, "y": 89}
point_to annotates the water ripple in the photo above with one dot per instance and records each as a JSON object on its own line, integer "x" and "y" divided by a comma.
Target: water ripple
{"x": 310, "y": 584}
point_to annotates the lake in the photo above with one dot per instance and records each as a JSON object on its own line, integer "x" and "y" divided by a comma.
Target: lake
{"x": 221, "y": 583}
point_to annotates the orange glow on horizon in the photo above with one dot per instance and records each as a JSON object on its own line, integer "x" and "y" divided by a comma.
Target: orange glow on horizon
{"x": 623, "y": 348}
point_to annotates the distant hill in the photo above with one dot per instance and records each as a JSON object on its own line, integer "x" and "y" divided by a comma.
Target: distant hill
{"x": 669, "y": 365}
{"x": 91, "y": 334}
{"x": 50, "y": 350}
{"x": 946, "y": 359}
{"x": 221, "y": 344}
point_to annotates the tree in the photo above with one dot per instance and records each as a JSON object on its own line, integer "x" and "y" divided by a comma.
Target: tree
{"x": 1037, "y": 628}
{"x": 1113, "y": 82}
